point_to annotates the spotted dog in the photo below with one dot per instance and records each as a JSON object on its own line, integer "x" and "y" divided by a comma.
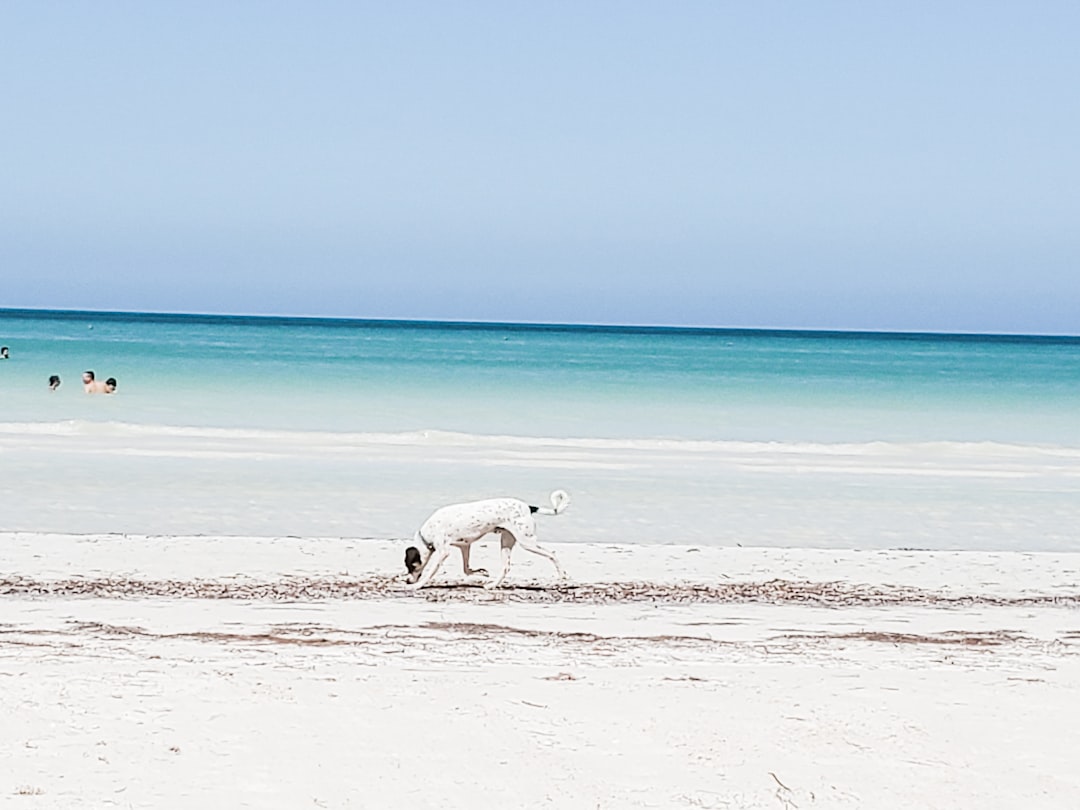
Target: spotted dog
{"x": 462, "y": 524}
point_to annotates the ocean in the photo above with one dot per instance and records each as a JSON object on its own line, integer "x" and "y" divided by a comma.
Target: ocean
{"x": 344, "y": 428}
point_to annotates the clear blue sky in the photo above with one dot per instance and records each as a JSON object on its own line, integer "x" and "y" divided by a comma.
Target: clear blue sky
{"x": 825, "y": 165}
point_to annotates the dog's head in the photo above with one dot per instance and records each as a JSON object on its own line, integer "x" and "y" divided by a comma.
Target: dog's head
{"x": 414, "y": 564}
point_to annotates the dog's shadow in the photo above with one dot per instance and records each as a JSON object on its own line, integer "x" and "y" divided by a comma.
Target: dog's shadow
{"x": 466, "y": 586}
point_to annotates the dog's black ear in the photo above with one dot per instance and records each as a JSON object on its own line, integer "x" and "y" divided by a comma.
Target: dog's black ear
{"x": 413, "y": 561}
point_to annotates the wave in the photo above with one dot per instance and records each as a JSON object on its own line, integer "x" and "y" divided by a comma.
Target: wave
{"x": 443, "y": 439}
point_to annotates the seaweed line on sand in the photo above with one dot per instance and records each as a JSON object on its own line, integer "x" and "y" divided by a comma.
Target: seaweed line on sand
{"x": 380, "y": 637}
{"x": 304, "y": 589}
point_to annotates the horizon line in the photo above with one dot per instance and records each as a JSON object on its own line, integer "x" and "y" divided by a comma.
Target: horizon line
{"x": 539, "y": 325}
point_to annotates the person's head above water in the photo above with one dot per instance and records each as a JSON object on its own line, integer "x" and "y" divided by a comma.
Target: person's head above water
{"x": 3, "y": 352}
{"x": 54, "y": 382}
{"x": 110, "y": 385}
{"x": 88, "y": 376}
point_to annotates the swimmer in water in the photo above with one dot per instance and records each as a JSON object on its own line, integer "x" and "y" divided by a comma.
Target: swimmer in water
{"x": 90, "y": 385}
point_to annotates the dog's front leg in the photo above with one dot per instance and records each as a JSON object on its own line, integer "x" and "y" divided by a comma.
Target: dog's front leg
{"x": 431, "y": 567}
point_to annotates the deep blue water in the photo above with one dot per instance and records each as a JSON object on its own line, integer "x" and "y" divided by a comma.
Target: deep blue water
{"x": 579, "y": 381}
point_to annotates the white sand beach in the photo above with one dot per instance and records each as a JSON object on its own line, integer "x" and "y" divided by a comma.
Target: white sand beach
{"x": 784, "y": 298}
{"x": 294, "y": 672}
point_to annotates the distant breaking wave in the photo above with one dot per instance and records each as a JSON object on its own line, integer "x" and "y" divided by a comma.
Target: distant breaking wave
{"x": 443, "y": 439}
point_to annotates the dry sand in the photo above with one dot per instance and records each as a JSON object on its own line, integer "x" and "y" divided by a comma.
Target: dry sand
{"x": 296, "y": 672}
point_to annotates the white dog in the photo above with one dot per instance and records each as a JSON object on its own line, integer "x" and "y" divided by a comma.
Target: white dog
{"x": 464, "y": 523}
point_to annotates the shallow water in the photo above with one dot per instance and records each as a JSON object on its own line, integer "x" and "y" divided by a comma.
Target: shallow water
{"x": 297, "y": 426}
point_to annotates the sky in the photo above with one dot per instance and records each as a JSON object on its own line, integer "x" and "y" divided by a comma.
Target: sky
{"x": 857, "y": 165}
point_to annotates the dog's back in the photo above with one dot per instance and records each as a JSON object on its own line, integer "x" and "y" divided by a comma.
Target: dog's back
{"x": 462, "y": 521}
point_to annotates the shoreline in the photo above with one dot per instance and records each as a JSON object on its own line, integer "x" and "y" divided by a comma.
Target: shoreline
{"x": 802, "y": 495}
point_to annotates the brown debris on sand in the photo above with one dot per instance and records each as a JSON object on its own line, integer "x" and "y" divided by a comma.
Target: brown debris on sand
{"x": 313, "y": 589}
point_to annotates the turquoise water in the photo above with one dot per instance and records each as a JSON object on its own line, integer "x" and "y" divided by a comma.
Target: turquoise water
{"x": 269, "y": 426}
{"x": 358, "y": 376}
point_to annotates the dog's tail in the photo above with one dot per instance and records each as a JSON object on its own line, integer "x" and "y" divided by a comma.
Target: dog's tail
{"x": 559, "y": 501}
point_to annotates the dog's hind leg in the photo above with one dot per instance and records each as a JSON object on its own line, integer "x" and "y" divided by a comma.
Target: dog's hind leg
{"x": 526, "y": 536}
{"x": 465, "y": 562}
{"x": 507, "y": 541}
